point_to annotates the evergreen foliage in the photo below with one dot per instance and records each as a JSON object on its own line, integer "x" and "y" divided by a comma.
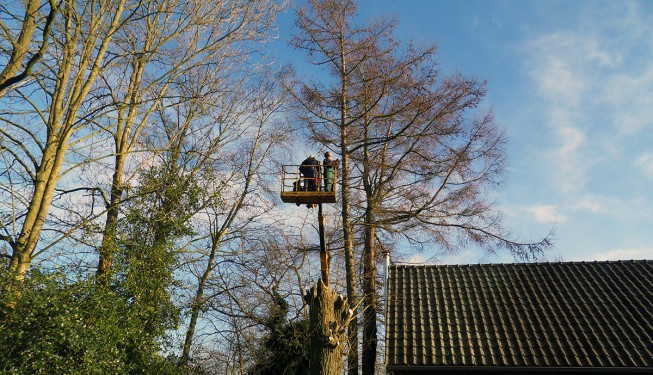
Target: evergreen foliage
{"x": 60, "y": 326}
{"x": 154, "y": 220}
{"x": 284, "y": 350}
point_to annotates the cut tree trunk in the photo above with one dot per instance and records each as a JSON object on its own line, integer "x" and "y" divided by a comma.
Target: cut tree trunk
{"x": 329, "y": 317}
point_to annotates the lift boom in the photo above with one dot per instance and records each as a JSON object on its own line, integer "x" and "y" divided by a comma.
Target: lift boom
{"x": 298, "y": 189}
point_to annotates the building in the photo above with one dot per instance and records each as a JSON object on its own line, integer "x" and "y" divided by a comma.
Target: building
{"x": 531, "y": 318}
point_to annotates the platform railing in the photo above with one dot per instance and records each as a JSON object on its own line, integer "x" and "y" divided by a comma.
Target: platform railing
{"x": 292, "y": 179}
{"x": 294, "y": 183}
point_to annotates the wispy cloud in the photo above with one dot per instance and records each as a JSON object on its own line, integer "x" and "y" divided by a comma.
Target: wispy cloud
{"x": 556, "y": 64}
{"x": 554, "y": 61}
{"x": 589, "y": 204}
{"x": 626, "y": 253}
{"x": 645, "y": 163}
{"x": 546, "y": 214}
{"x": 630, "y": 96}
{"x": 592, "y": 82}
{"x": 557, "y": 213}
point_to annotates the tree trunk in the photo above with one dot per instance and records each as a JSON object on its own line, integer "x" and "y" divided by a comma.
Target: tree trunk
{"x": 350, "y": 260}
{"x": 198, "y": 301}
{"x": 369, "y": 266}
{"x": 329, "y": 317}
{"x": 108, "y": 247}
{"x": 47, "y": 177}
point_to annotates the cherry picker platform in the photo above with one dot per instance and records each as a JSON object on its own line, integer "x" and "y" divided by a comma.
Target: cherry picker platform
{"x": 299, "y": 189}
{"x": 312, "y": 190}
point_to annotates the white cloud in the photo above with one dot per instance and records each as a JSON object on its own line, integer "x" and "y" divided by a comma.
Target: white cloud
{"x": 591, "y": 107}
{"x": 554, "y": 62}
{"x": 593, "y": 86}
{"x": 569, "y": 171}
{"x": 589, "y": 204}
{"x": 645, "y": 163}
{"x": 417, "y": 258}
{"x": 558, "y": 65}
{"x": 546, "y": 214}
{"x": 624, "y": 254}
{"x": 571, "y": 138}
{"x": 557, "y": 213}
{"x": 468, "y": 256}
{"x": 630, "y": 97}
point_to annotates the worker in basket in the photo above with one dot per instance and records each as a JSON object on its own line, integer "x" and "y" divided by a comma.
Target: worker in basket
{"x": 309, "y": 170}
{"x": 329, "y": 166}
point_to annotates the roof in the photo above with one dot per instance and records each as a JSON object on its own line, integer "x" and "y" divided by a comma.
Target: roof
{"x": 571, "y": 315}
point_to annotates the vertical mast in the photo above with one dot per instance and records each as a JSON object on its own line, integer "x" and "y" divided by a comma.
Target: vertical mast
{"x": 324, "y": 256}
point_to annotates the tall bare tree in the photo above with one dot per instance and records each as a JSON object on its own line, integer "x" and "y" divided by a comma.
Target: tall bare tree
{"x": 19, "y": 46}
{"x": 171, "y": 56}
{"x": 326, "y": 34}
{"x": 237, "y": 158}
{"x": 426, "y": 161}
{"x": 422, "y": 158}
{"x": 54, "y": 113}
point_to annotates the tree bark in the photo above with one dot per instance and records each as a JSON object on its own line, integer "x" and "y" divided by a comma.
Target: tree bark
{"x": 108, "y": 247}
{"x": 329, "y": 317}
{"x": 347, "y": 228}
{"x": 198, "y": 300}
{"x": 18, "y": 59}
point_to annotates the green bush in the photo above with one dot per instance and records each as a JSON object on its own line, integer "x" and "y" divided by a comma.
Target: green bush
{"x": 74, "y": 327}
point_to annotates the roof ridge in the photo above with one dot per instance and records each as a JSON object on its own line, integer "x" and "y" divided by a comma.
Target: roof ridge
{"x": 619, "y": 261}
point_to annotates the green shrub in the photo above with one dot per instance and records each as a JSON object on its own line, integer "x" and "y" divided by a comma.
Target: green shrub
{"x": 60, "y": 326}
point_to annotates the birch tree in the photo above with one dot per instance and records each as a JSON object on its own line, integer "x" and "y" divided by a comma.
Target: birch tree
{"x": 129, "y": 66}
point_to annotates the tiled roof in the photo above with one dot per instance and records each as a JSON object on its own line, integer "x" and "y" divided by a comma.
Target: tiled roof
{"x": 572, "y": 315}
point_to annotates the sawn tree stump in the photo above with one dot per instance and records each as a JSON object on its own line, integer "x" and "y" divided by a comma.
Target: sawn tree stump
{"x": 329, "y": 317}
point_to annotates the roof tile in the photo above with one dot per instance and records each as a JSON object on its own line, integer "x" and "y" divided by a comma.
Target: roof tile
{"x": 573, "y": 314}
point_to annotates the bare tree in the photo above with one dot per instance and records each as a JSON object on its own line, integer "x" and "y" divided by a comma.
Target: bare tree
{"x": 18, "y": 38}
{"x": 252, "y": 271}
{"x": 422, "y": 158}
{"x": 39, "y": 138}
{"x": 425, "y": 166}
{"x": 326, "y": 34}
{"x": 172, "y": 57}
{"x": 238, "y": 158}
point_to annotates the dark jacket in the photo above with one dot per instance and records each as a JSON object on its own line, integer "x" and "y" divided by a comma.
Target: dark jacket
{"x": 309, "y": 167}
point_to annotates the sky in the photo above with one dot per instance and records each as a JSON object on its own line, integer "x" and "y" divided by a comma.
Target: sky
{"x": 571, "y": 82}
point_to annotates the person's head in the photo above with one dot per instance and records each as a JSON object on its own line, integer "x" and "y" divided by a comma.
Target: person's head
{"x": 311, "y": 156}
{"x": 327, "y": 155}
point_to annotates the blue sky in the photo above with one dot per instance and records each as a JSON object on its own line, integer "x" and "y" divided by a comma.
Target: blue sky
{"x": 572, "y": 84}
